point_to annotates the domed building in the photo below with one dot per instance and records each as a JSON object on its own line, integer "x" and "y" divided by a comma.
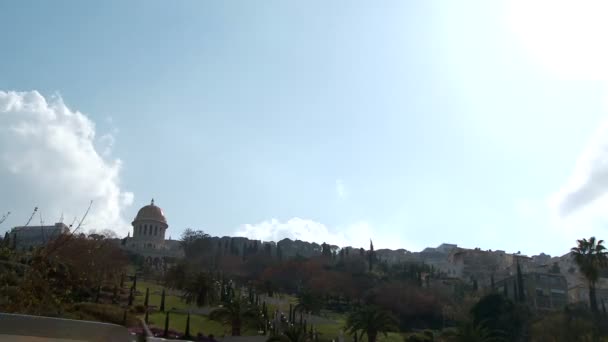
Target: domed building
{"x": 148, "y": 238}
{"x": 149, "y": 227}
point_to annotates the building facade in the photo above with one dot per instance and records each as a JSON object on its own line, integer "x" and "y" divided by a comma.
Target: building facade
{"x": 148, "y": 238}
{"x": 542, "y": 291}
{"x": 26, "y": 237}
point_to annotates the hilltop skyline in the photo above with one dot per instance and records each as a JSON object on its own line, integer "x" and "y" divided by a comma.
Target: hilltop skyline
{"x": 410, "y": 124}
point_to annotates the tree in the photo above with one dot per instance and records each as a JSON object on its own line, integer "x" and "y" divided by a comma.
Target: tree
{"x": 496, "y": 312}
{"x": 279, "y": 252}
{"x": 590, "y": 256}
{"x": 196, "y": 243}
{"x": 147, "y": 297}
{"x": 292, "y": 334}
{"x": 131, "y": 297}
{"x": 309, "y": 302}
{"x": 470, "y": 331}
{"x": 7, "y": 239}
{"x": 198, "y": 288}
{"x": 370, "y": 321}
{"x": 162, "y": 301}
{"x": 166, "y": 332}
{"x": 187, "y": 332}
{"x": 520, "y": 285}
{"x": 371, "y": 255}
{"x": 235, "y": 313}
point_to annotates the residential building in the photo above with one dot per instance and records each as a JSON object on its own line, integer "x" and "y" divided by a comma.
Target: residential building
{"x": 542, "y": 291}
{"x": 26, "y": 237}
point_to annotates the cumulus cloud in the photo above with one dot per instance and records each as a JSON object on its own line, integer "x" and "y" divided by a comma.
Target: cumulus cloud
{"x": 50, "y": 158}
{"x": 355, "y": 235}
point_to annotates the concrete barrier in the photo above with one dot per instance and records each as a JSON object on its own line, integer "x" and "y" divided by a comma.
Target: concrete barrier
{"x": 38, "y": 328}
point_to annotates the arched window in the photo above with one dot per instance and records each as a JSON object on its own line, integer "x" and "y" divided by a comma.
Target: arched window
{"x": 155, "y": 230}
{"x": 145, "y": 229}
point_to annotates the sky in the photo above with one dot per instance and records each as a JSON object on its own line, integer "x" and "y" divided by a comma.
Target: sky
{"x": 412, "y": 123}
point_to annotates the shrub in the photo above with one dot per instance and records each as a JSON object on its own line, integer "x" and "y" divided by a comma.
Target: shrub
{"x": 104, "y": 313}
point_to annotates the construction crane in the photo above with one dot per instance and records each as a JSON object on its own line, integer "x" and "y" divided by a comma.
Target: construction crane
{"x": 31, "y": 217}
{"x": 3, "y": 218}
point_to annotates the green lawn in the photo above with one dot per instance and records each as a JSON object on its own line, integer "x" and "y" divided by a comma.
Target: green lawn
{"x": 328, "y": 332}
{"x": 201, "y": 323}
{"x": 171, "y": 301}
{"x": 177, "y": 322}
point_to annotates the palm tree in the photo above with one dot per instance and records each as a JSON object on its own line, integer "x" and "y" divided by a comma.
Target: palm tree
{"x": 198, "y": 288}
{"x": 235, "y": 313}
{"x": 293, "y": 334}
{"x": 308, "y": 302}
{"x": 590, "y": 256}
{"x": 370, "y": 321}
{"x": 471, "y": 332}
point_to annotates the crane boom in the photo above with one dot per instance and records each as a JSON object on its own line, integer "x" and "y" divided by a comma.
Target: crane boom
{"x": 3, "y": 218}
{"x": 31, "y": 217}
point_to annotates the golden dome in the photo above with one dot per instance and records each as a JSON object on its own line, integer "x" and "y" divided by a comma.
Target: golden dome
{"x": 151, "y": 212}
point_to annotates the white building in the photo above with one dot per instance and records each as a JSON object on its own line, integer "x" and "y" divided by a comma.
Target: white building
{"x": 149, "y": 229}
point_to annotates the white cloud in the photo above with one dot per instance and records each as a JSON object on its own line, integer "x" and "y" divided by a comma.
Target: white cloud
{"x": 341, "y": 190}
{"x": 356, "y": 235}
{"x": 49, "y": 158}
{"x": 566, "y": 37}
{"x": 589, "y": 181}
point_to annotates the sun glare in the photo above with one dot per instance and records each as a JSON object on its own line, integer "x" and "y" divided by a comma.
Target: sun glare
{"x": 566, "y": 37}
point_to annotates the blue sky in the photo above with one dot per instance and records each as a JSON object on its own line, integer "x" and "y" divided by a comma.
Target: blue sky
{"x": 412, "y": 123}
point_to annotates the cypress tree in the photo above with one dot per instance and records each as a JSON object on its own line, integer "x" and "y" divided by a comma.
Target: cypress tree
{"x": 146, "y": 318}
{"x": 264, "y": 310}
{"x": 134, "y": 282}
{"x": 279, "y": 252}
{"x": 187, "y": 334}
{"x": 14, "y": 241}
{"x": 131, "y": 297}
{"x": 98, "y": 292}
{"x": 371, "y": 255}
{"x": 124, "y": 318}
{"x": 114, "y": 295}
{"x": 291, "y": 313}
{"x": 515, "y": 292}
{"x": 162, "y": 301}
{"x": 166, "y": 332}
{"x": 147, "y": 297}
{"x": 520, "y": 284}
